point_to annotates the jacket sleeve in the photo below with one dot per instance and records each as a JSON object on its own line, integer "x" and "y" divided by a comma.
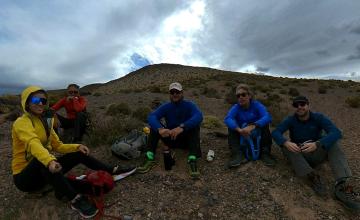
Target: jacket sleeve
{"x": 59, "y": 146}
{"x": 59, "y": 104}
{"x": 25, "y": 131}
{"x": 79, "y": 104}
{"x": 155, "y": 116}
{"x": 195, "y": 119}
{"x": 333, "y": 134}
{"x": 277, "y": 134}
{"x": 265, "y": 117}
{"x": 230, "y": 119}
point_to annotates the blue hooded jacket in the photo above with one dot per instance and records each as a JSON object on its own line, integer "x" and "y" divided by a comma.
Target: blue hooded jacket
{"x": 182, "y": 112}
{"x": 256, "y": 114}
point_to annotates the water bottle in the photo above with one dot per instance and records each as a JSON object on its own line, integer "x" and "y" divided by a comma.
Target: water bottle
{"x": 210, "y": 155}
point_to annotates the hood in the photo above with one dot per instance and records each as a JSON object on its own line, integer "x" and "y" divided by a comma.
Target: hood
{"x": 26, "y": 93}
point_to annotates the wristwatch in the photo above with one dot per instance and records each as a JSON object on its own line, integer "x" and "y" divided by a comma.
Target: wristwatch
{"x": 182, "y": 125}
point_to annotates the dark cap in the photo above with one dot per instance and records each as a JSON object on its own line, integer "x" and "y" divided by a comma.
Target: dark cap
{"x": 300, "y": 99}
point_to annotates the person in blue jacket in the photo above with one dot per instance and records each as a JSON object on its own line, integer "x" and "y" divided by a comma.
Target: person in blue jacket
{"x": 242, "y": 119}
{"x": 177, "y": 124}
{"x": 312, "y": 139}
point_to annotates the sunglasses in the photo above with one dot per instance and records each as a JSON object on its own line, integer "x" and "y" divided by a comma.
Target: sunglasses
{"x": 242, "y": 95}
{"x": 36, "y": 100}
{"x": 73, "y": 92}
{"x": 173, "y": 92}
{"x": 301, "y": 104}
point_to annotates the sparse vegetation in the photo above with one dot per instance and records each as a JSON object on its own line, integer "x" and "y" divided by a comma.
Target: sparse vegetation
{"x": 121, "y": 108}
{"x": 353, "y": 102}
{"x": 212, "y": 122}
{"x": 322, "y": 89}
{"x": 210, "y": 92}
{"x": 97, "y": 94}
{"x": 293, "y": 92}
{"x": 142, "y": 113}
{"x": 230, "y": 96}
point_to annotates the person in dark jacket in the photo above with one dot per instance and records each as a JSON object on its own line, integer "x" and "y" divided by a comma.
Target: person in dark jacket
{"x": 244, "y": 118}
{"x": 177, "y": 124}
{"x": 76, "y": 116}
{"x": 313, "y": 139}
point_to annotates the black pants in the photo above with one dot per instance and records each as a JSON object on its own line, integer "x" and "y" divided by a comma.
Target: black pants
{"x": 187, "y": 139}
{"x": 35, "y": 175}
{"x": 78, "y": 124}
{"x": 265, "y": 142}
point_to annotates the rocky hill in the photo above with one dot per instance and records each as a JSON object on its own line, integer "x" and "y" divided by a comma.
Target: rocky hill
{"x": 252, "y": 191}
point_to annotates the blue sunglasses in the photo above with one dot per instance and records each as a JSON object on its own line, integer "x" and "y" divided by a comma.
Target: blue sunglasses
{"x": 36, "y": 100}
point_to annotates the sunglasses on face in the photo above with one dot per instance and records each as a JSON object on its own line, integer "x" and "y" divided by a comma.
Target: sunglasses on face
{"x": 301, "y": 104}
{"x": 36, "y": 100}
{"x": 73, "y": 92}
{"x": 173, "y": 92}
{"x": 242, "y": 95}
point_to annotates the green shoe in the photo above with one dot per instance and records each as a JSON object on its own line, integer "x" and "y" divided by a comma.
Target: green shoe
{"x": 146, "y": 167}
{"x": 193, "y": 170}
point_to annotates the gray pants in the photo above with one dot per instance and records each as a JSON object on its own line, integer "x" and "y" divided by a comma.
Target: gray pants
{"x": 303, "y": 163}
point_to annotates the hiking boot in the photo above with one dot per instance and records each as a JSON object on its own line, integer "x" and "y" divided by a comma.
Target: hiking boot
{"x": 169, "y": 160}
{"x": 146, "y": 166}
{"x": 84, "y": 207}
{"x": 237, "y": 158}
{"x": 193, "y": 170}
{"x": 346, "y": 195}
{"x": 119, "y": 169}
{"x": 268, "y": 160}
{"x": 317, "y": 184}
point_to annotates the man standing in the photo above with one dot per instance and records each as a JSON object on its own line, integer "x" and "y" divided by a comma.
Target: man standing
{"x": 180, "y": 128}
{"x": 75, "y": 106}
{"x": 313, "y": 139}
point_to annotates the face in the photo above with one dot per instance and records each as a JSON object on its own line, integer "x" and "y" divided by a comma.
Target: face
{"x": 37, "y": 103}
{"x": 301, "y": 109}
{"x": 175, "y": 95}
{"x": 243, "y": 97}
{"x": 73, "y": 91}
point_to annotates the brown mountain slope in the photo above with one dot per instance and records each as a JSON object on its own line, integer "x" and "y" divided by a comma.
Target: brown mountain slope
{"x": 251, "y": 192}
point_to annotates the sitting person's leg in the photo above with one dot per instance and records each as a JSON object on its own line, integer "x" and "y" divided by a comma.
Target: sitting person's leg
{"x": 237, "y": 154}
{"x": 338, "y": 162}
{"x": 79, "y": 126}
{"x": 265, "y": 143}
{"x": 70, "y": 160}
{"x": 153, "y": 140}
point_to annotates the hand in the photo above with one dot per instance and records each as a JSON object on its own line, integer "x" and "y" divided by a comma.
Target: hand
{"x": 84, "y": 149}
{"x": 175, "y": 132}
{"x": 54, "y": 166}
{"x": 164, "y": 132}
{"x": 247, "y": 130}
{"x": 292, "y": 147}
{"x": 308, "y": 147}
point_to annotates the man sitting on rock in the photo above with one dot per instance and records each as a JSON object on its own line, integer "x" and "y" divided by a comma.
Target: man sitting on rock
{"x": 180, "y": 128}
{"x": 313, "y": 139}
{"x": 76, "y": 117}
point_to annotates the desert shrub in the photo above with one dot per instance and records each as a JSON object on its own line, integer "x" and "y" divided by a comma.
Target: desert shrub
{"x": 210, "y": 92}
{"x": 5, "y": 109}
{"x": 155, "y": 89}
{"x": 211, "y": 122}
{"x": 282, "y": 91}
{"x": 97, "y": 94}
{"x": 102, "y": 107}
{"x": 261, "y": 88}
{"x": 285, "y": 84}
{"x": 195, "y": 93}
{"x": 322, "y": 89}
{"x": 142, "y": 113}
{"x": 230, "y": 84}
{"x": 115, "y": 109}
{"x": 230, "y": 96}
{"x": 353, "y": 102}
{"x": 108, "y": 130}
{"x": 293, "y": 92}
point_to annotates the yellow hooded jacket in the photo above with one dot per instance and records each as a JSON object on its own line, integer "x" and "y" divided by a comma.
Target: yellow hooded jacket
{"x": 30, "y": 139}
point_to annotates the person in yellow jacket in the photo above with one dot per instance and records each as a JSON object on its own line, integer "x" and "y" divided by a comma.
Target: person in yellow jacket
{"x": 34, "y": 165}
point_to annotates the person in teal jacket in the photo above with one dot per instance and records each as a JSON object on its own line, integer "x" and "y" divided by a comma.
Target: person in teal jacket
{"x": 244, "y": 118}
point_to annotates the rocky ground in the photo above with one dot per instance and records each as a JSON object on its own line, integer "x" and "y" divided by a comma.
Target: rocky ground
{"x": 253, "y": 191}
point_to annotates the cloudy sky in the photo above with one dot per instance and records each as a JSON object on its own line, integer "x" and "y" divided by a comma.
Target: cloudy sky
{"x": 53, "y": 43}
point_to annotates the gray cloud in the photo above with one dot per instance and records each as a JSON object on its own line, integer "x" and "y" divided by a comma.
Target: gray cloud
{"x": 355, "y": 56}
